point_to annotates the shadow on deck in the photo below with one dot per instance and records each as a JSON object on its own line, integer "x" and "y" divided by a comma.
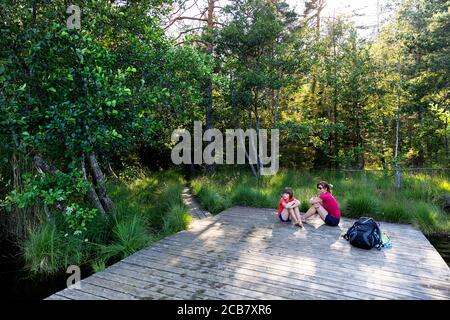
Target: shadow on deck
{"x": 246, "y": 253}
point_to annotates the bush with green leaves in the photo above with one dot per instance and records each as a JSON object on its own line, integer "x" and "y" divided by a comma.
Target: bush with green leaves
{"x": 78, "y": 217}
{"x": 58, "y": 193}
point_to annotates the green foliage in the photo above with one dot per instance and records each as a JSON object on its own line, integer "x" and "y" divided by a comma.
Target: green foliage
{"x": 129, "y": 236}
{"x": 395, "y": 212}
{"x": 58, "y": 193}
{"x": 120, "y": 85}
{"x": 48, "y": 250}
{"x": 78, "y": 217}
{"x": 362, "y": 206}
{"x": 48, "y": 189}
{"x": 147, "y": 209}
{"x": 427, "y": 218}
{"x": 98, "y": 266}
{"x": 358, "y": 194}
{"x": 304, "y": 205}
{"x": 210, "y": 199}
{"x": 250, "y": 197}
{"x": 177, "y": 219}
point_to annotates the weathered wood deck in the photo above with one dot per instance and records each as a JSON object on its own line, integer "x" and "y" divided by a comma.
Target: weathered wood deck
{"x": 246, "y": 253}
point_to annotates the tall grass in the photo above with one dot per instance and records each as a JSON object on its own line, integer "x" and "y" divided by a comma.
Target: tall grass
{"x": 148, "y": 207}
{"x": 419, "y": 201}
{"x": 48, "y": 251}
{"x": 177, "y": 219}
{"x": 129, "y": 235}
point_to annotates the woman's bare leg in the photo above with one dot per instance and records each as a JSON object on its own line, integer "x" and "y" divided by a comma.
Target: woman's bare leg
{"x": 322, "y": 212}
{"x": 311, "y": 211}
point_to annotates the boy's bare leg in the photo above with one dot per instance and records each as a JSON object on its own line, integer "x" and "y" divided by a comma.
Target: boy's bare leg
{"x": 297, "y": 215}
{"x": 292, "y": 215}
{"x": 285, "y": 214}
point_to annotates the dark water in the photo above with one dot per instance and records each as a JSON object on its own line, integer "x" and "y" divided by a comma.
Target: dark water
{"x": 442, "y": 244}
{"x": 15, "y": 282}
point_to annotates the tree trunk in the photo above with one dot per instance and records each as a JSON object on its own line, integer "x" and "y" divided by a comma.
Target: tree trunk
{"x": 100, "y": 183}
{"x": 335, "y": 139}
{"x": 275, "y": 108}
{"x": 111, "y": 171}
{"x": 91, "y": 192}
{"x": 17, "y": 181}
{"x": 210, "y": 49}
{"x": 446, "y": 142}
{"x": 397, "y": 129}
{"x": 257, "y": 120}
{"x": 42, "y": 166}
{"x": 250, "y": 127}
{"x": 421, "y": 157}
{"x": 233, "y": 103}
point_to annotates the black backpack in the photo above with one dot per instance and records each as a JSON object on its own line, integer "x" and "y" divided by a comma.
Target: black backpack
{"x": 364, "y": 234}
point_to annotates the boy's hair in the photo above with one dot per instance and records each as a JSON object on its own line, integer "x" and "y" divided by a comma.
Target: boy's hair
{"x": 325, "y": 185}
{"x": 289, "y": 191}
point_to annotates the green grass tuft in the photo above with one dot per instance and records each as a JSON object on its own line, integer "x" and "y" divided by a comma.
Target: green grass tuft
{"x": 395, "y": 212}
{"x": 246, "y": 196}
{"x": 177, "y": 219}
{"x": 362, "y": 206}
{"x": 129, "y": 236}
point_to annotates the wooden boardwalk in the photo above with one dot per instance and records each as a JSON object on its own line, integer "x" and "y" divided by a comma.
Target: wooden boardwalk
{"x": 246, "y": 253}
{"x": 193, "y": 206}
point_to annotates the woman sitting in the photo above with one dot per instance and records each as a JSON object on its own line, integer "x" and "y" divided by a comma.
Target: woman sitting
{"x": 325, "y": 205}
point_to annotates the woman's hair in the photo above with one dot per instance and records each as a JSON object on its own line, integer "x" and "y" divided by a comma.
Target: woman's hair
{"x": 325, "y": 185}
{"x": 289, "y": 191}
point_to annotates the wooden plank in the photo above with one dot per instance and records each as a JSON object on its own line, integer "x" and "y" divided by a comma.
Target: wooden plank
{"x": 338, "y": 280}
{"x": 372, "y": 254}
{"x": 251, "y": 289}
{"x": 325, "y": 256}
{"x": 416, "y": 237}
{"x": 262, "y": 276}
{"x": 328, "y": 231}
{"x": 159, "y": 288}
{"x": 57, "y": 297}
{"x": 92, "y": 286}
{"x": 357, "y": 278}
{"x": 210, "y": 289}
{"x": 346, "y": 251}
{"x": 126, "y": 291}
{"x": 78, "y": 294}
